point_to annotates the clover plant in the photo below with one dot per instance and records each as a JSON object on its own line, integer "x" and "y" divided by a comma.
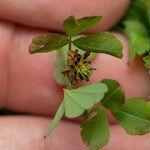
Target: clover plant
{"x": 74, "y": 54}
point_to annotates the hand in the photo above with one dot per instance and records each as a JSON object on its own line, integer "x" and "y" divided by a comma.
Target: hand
{"x": 27, "y": 81}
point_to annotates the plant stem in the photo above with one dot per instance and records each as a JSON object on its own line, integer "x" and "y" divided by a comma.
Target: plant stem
{"x": 70, "y": 43}
{"x": 70, "y": 85}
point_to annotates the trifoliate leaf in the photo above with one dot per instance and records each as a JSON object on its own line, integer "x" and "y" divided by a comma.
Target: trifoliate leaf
{"x": 115, "y": 96}
{"x": 139, "y": 41}
{"x": 47, "y": 42}
{"x": 60, "y": 62}
{"x": 147, "y": 62}
{"x": 95, "y": 131}
{"x": 76, "y": 101}
{"x": 74, "y": 27}
{"x": 56, "y": 119}
{"x": 134, "y": 116}
{"x": 101, "y": 42}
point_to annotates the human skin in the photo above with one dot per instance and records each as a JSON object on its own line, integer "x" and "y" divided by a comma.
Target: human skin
{"x": 27, "y": 81}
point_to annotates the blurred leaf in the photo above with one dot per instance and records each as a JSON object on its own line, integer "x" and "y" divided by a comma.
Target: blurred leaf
{"x": 147, "y": 62}
{"x": 139, "y": 40}
{"x": 76, "y": 101}
{"x": 101, "y": 42}
{"x": 134, "y": 116}
{"x": 60, "y": 64}
{"x": 115, "y": 96}
{"x": 56, "y": 119}
{"x": 147, "y": 8}
{"x": 74, "y": 27}
{"x": 137, "y": 12}
{"x": 47, "y": 42}
{"x": 135, "y": 25}
{"x": 95, "y": 131}
{"x": 144, "y": 11}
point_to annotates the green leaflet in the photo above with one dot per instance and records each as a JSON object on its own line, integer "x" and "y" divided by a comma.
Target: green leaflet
{"x": 147, "y": 62}
{"x": 76, "y": 101}
{"x": 56, "y": 119}
{"x": 134, "y": 116}
{"x": 95, "y": 131}
{"x": 74, "y": 27}
{"x": 115, "y": 96}
{"x": 47, "y": 42}
{"x": 60, "y": 62}
{"x": 101, "y": 42}
{"x": 139, "y": 40}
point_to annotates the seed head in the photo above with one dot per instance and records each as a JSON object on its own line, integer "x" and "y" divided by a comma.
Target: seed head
{"x": 78, "y": 68}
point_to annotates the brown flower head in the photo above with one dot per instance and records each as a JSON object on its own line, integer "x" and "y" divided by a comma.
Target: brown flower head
{"x": 78, "y": 68}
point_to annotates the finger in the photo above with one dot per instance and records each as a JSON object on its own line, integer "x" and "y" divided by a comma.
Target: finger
{"x": 24, "y": 132}
{"x": 120, "y": 140}
{"x": 50, "y": 14}
{"x": 30, "y": 79}
{"x": 6, "y": 32}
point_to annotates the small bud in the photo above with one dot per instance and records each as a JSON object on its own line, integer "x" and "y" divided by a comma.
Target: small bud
{"x": 84, "y": 72}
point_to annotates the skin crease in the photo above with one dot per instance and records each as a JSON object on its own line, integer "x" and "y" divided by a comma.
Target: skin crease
{"x": 27, "y": 85}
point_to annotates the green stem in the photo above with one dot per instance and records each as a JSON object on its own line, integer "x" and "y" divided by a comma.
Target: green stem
{"x": 69, "y": 86}
{"x": 69, "y": 43}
